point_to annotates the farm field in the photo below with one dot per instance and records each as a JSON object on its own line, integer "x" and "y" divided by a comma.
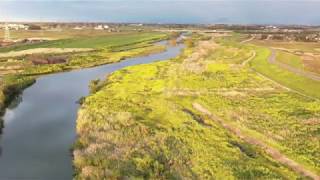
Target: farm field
{"x": 293, "y": 46}
{"x": 64, "y": 33}
{"x": 107, "y": 41}
{"x": 200, "y": 118}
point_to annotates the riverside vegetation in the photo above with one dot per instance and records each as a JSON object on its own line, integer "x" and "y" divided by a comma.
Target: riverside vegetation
{"x": 142, "y": 121}
{"x": 17, "y": 73}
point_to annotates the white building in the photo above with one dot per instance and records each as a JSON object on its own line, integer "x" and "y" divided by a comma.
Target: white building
{"x": 77, "y": 28}
{"x": 101, "y": 27}
{"x": 18, "y": 26}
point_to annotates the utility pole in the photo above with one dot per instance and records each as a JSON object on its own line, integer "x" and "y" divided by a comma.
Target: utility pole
{"x": 6, "y": 33}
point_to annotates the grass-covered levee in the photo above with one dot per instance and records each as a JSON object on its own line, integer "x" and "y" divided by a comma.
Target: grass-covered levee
{"x": 141, "y": 122}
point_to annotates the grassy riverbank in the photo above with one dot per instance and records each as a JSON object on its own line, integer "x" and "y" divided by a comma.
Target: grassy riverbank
{"x": 105, "y": 49}
{"x": 10, "y": 87}
{"x": 142, "y": 121}
{"x": 18, "y": 72}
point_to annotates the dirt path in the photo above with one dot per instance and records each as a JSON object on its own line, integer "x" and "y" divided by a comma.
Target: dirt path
{"x": 310, "y": 75}
{"x": 249, "y": 59}
{"x": 247, "y": 40}
{"x": 274, "y": 153}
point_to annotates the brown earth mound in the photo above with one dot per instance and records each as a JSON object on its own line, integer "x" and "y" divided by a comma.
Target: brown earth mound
{"x": 40, "y": 59}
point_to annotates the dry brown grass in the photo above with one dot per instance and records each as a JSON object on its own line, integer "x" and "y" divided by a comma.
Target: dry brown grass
{"x": 195, "y": 63}
{"x": 65, "y": 33}
{"x": 312, "y": 121}
{"x": 43, "y": 51}
{"x": 311, "y": 63}
{"x": 290, "y": 46}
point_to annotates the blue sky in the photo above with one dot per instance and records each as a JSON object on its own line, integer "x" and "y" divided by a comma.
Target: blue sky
{"x": 164, "y": 11}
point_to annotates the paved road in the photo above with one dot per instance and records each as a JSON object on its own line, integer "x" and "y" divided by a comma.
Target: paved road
{"x": 310, "y": 75}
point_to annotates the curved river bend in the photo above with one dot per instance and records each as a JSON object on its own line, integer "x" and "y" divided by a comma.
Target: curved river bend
{"x": 40, "y": 130}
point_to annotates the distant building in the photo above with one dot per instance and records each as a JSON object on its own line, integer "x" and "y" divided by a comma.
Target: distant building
{"x": 15, "y": 26}
{"x": 136, "y": 24}
{"x": 78, "y": 28}
{"x": 101, "y": 27}
{"x": 271, "y": 27}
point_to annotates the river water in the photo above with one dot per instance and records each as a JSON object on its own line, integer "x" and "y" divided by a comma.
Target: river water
{"x": 39, "y": 129}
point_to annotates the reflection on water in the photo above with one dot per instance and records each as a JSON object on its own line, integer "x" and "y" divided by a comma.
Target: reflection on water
{"x": 15, "y": 102}
{"x": 39, "y": 127}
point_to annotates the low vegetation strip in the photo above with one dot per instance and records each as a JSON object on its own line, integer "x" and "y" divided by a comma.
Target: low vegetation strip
{"x": 274, "y": 153}
{"x": 43, "y": 51}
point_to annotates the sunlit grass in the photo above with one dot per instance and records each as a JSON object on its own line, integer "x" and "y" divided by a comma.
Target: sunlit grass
{"x": 141, "y": 123}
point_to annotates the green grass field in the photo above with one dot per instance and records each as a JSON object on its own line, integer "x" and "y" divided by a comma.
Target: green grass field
{"x": 150, "y": 129}
{"x": 291, "y": 80}
{"x": 290, "y": 59}
{"x": 97, "y": 42}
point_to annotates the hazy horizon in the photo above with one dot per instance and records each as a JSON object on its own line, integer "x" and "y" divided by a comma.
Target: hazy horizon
{"x": 178, "y": 11}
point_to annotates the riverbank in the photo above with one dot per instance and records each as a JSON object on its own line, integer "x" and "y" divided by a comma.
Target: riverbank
{"x": 118, "y": 49}
{"x": 10, "y": 88}
{"x": 176, "y": 140}
{"x": 50, "y": 106}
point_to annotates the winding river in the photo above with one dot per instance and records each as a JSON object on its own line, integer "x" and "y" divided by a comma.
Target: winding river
{"x": 39, "y": 129}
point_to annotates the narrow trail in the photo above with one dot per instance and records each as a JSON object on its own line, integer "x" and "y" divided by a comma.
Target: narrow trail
{"x": 249, "y": 59}
{"x": 277, "y": 83}
{"x": 272, "y": 60}
{"x": 285, "y": 87}
{"x": 274, "y": 153}
{"x": 247, "y": 40}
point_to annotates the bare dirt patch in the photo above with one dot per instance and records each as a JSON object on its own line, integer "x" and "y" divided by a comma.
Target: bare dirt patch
{"x": 312, "y": 121}
{"x": 311, "y": 63}
{"x": 43, "y": 51}
{"x": 229, "y": 92}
